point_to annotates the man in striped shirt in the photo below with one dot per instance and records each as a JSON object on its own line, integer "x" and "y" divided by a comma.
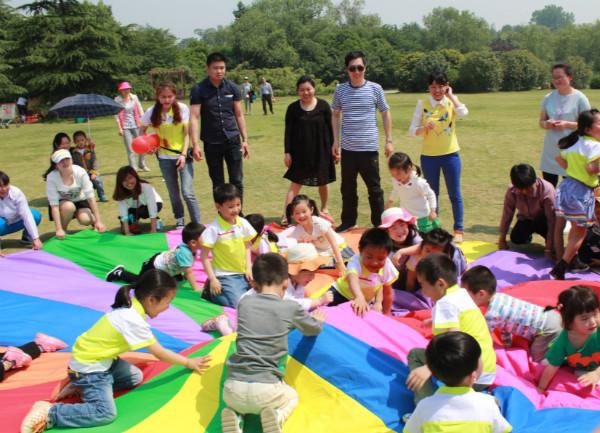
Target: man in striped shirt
{"x": 357, "y": 101}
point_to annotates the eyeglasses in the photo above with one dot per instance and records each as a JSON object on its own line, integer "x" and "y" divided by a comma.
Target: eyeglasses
{"x": 356, "y": 68}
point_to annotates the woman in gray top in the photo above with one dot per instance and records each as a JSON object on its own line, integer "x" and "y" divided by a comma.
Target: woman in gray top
{"x": 129, "y": 124}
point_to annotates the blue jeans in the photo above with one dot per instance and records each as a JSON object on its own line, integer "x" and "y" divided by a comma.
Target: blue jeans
{"x": 451, "y": 166}
{"x": 232, "y": 289}
{"x": 99, "y": 186}
{"x": 15, "y": 227}
{"x": 168, "y": 168}
{"x": 98, "y": 407}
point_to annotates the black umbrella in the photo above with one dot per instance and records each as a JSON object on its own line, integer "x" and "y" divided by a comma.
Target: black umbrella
{"x": 86, "y": 105}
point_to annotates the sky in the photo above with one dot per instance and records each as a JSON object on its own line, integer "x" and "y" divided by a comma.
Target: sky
{"x": 182, "y": 17}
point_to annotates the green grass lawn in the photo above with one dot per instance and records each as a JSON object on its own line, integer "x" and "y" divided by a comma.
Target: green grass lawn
{"x": 501, "y": 130}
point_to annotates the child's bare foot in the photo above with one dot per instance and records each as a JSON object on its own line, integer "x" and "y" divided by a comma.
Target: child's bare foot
{"x": 326, "y": 298}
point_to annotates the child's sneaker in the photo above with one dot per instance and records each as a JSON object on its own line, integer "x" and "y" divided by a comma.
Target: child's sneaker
{"x": 219, "y": 323}
{"x": 103, "y": 199}
{"x": 17, "y": 357}
{"x": 269, "y": 419}
{"x": 114, "y": 274}
{"x": 35, "y": 420}
{"x": 230, "y": 421}
{"x": 48, "y": 343}
{"x": 179, "y": 224}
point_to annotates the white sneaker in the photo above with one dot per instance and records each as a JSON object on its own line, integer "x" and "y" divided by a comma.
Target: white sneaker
{"x": 230, "y": 421}
{"x": 36, "y": 418}
{"x": 179, "y": 224}
{"x": 269, "y": 419}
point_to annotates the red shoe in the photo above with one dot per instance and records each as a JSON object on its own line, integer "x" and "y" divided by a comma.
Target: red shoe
{"x": 17, "y": 357}
{"x": 48, "y": 343}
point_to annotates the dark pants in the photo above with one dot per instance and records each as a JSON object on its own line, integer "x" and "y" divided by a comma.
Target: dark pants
{"x": 30, "y": 348}
{"x": 367, "y": 165}
{"x": 552, "y": 178}
{"x": 523, "y": 230}
{"x": 131, "y": 278}
{"x": 142, "y": 212}
{"x": 231, "y": 152}
{"x": 267, "y": 99}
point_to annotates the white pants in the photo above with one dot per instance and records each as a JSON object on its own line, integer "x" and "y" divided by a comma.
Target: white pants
{"x": 253, "y": 397}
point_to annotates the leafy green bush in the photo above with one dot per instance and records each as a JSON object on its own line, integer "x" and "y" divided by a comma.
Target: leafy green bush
{"x": 481, "y": 71}
{"x": 522, "y": 70}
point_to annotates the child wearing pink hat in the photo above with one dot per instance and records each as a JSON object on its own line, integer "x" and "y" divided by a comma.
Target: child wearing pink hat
{"x": 129, "y": 123}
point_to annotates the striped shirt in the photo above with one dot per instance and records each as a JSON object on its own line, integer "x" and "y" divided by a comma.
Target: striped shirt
{"x": 515, "y": 316}
{"x": 359, "y": 117}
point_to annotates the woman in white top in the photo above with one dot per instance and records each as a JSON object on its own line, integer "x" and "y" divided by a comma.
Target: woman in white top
{"x": 15, "y": 214}
{"x": 137, "y": 200}
{"x": 560, "y": 110}
{"x": 129, "y": 122}
{"x": 70, "y": 195}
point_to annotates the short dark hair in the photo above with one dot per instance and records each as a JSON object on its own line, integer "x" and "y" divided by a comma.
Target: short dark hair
{"x": 305, "y": 79}
{"x": 439, "y": 238}
{"x": 226, "y": 192}
{"x": 4, "y": 179}
{"x": 479, "y": 278}
{"x": 376, "y": 237}
{"x": 522, "y": 176}
{"x": 215, "y": 57}
{"x": 565, "y": 67}
{"x": 269, "y": 269}
{"x": 438, "y": 77}
{"x": 191, "y": 232}
{"x": 78, "y": 133}
{"x": 574, "y": 301}
{"x": 352, "y": 55}
{"x": 437, "y": 266}
{"x": 452, "y": 357}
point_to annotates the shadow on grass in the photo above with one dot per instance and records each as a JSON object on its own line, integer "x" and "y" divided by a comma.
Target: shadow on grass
{"x": 480, "y": 228}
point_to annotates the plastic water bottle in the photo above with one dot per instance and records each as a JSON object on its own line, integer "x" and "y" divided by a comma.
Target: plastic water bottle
{"x": 159, "y": 226}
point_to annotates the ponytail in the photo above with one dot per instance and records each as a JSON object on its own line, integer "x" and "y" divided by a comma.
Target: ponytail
{"x": 569, "y": 140}
{"x": 585, "y": 121}
{"x": 123, "y": 297}
{"x": 153, "y": 283}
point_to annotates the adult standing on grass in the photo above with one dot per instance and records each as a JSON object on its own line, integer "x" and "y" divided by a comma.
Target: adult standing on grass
{"x": 216, "y": 102}
{"x": 70, "y": 195}
{"x": 266, "y": 95}
{"x": 247, "y": 94}
{"x": 308, "y": 141}
{"x": 560, "y": 110}
{"x": 129, "y": 123}
{"x": 357, "y": 102}
{"x": 15, "y": 214}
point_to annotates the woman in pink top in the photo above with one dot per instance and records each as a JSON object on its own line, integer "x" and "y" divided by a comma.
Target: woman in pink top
{"x": 129, "y": 124}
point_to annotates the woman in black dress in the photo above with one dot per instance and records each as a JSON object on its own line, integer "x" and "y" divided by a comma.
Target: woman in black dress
{"x": 308, "y": 140}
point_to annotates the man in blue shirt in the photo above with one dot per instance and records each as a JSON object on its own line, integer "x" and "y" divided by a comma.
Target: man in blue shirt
{"x": 357, "y": 102}
{"x": 216, "y": 103}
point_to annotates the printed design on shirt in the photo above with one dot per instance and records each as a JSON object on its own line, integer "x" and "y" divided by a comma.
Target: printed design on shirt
{"x": 577, "y": 360}
{"x": 443, "y": 124}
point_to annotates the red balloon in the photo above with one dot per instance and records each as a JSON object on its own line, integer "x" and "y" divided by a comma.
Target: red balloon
{"x": 145, "y": 144}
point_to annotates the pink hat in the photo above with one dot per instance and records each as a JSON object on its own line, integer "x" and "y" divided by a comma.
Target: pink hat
{"x": 124, "y": 86}
{"x": 393, "y": 214}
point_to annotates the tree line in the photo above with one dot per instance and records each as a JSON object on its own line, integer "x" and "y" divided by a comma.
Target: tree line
{"x": 54, "y": 48}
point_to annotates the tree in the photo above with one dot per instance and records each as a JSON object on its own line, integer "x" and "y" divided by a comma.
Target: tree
{"x": 8, "y": 88}
{"x": 552, "y": 16}
{"x": 461, "y": 30}
{"x": 65, "y": 48}
{"x": 522, "y": 70}
{"x": 582, "y": 73}
{"x": 481, "y": 71}
{"x": 405, "y": 72}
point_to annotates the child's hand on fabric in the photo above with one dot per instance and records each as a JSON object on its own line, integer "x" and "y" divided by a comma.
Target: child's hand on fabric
{"x": 591, "y": 378}
{"x": 215, "y": 287}
{"x": 360, "y": 306}
{"x": 199, "y": 365}
{"x": 426, "y": 323}
{"x": 502, "y": 244}
{"x": 99, "y": 227}
{"x": 417, "y": 378}
{"x": 319, "y": 315}
{"x": 432, "y": 215}
{"x": 326, "y": 298}
{"x": 36, "y": 244}
{"x": 378, "y": 306}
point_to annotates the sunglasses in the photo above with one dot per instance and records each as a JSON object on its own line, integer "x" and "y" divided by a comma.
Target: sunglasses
{"x": 357, "y": 68}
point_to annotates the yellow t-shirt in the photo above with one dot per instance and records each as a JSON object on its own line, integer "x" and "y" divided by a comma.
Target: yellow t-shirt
{"x": 441, "y": 140}
{"x": 584, "y": 151}
{"x": 228, "y": 243}
{"x": 171, "y": 135}
{"x": 456, "y": 309}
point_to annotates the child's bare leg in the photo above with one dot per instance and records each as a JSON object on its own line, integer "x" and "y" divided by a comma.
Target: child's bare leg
{"x": 576, "y": 238}
{"x": 324, "y": 195}
{"x": 559, "y": 241}
{"x": 67, "y": 210}
{"x": 85, "y": 217}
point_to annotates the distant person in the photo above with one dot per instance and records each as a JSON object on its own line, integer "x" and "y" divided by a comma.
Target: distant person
{"x": 216, "y": 102}
{"x": 129, "y": 123}
{"x": 434, "y": 119}
{"x": 247, "y": 95}
{"x": 70, "y": 195}
{"x": 22, "y": 108}
{"x": 15, "y": 214}
{"x": 533, "y": 198}
{"x": 170, "y": 119}
{"x": 308, "y": 141}
{"x": 560, "y": 109}
{"x": 357, "y": 102}
{"x": 266, "y": 95}
{"x": 84, "y": 155}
